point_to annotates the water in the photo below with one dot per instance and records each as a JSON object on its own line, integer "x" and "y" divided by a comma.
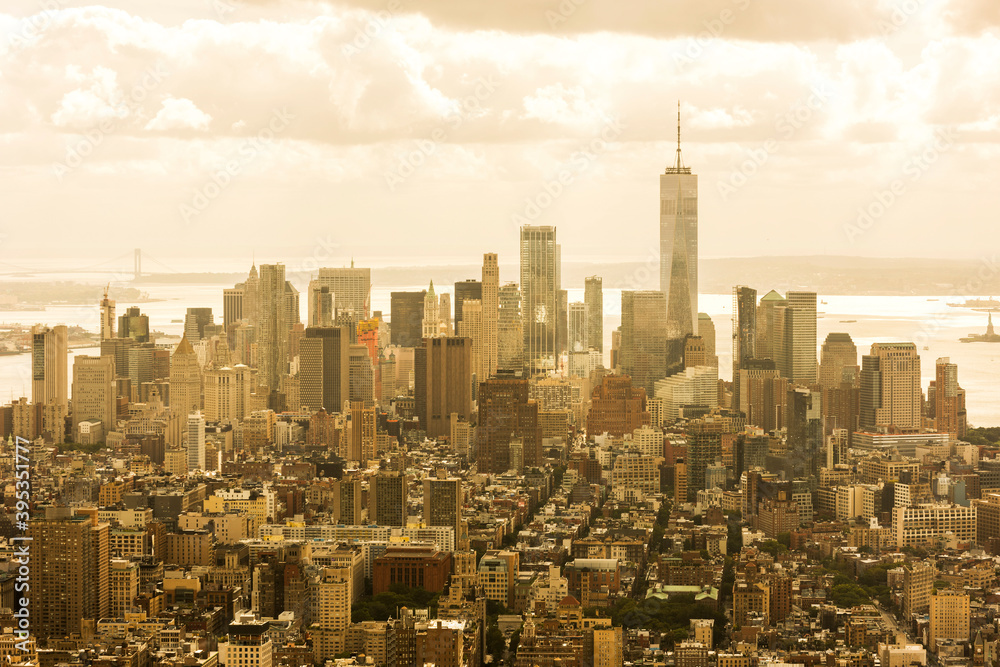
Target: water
{"x": 924, "y": 320}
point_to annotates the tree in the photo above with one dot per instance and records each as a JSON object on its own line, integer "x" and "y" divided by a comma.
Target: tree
{"x": 495, "y": 643}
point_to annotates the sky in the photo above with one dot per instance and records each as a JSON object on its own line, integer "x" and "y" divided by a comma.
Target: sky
{"x": 430, "y": 131}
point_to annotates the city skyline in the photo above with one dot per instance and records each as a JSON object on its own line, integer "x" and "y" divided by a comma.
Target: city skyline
{"x": 848, "y": 117}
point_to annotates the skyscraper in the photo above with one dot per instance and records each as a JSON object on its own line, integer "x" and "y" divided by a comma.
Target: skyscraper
{"x": 540, "y": 284}
{"x": 323, "y": 369}
{"x": 466, "y": 290}
{"x": 744, "y": 333}
{"x": 232, "y": 305}
{"x": 320, "y": 307}
{"x": 506, "y": 413}
{"x": 706, "y": 329}
{"x": 839, "y": 353}
{"x": 107, "y": 324}
{"x": 272, "y": 340}
{"x": 389, "y": 496}
{"x": 133, "y": 324}
{"x": 510, "y": 329}
{"x": 767, "y": 333}
{"x": 593, "y": 297}
{"x": 49, "y": 360}
{"x": 350, "y": 287}
{"x": 406, "y": 311}
{"x": 443, "y": 503}
{"x": 800, "y": 337}
{"x": 195, "y": 433}
{"x": 195, "y": 321}
{"x": 94, "y": 391}
{"x": 185, "y": 379}
{"x": 891, "y": 397}
{"x": 70, "y": 561}
{"x": 443, "y": 373}
{"x": 643, "y": 353}
{"x": 361, "y": 446}
{"x": 579, "y": 338}
{"x": 679, "y": 244}
{"x": 471, "y": 327}
{"x": 949, "y": 399}
{"x": 491, "y": 313}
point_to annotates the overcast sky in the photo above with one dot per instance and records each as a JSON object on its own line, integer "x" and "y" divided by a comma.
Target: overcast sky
{"x": 407, "y": 130}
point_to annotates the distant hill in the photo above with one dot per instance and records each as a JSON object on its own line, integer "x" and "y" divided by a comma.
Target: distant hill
{"x": 825, "y": 274}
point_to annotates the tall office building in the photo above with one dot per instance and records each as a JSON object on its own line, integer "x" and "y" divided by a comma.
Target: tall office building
{"x": 389, "y": 499}
{"x": 227, "y": 393}
{"x": 891, "y": 397}
{"x": 361, "y": 374}
{"x": 232, "y": 305}
{"x": 491, "y": 313}
{"x": 347, "y": 506}
{"x": 838, "y": 354}
{"x": 505, "y": 414}
{"x": 362, "y": 442}
{"x": 406, "y": 313}
{"x": 466, "y": 290}
{"x": 107, "y": 324}
{"x": 593, "y": 297}
{"x": 949, "y": 617}
{"x": 579, "y": 330}
{"x": 800, "y": 337}
{"x": 471, "y": 327}
{"x": 540, "y": 285}
{"x": 433, "y": 323}
{"x": 744, "y": 333}
{"x": 195, "y": 434}
{"x": 185, "y": 379}
{"x": 706, "y": 329}
{"x": 350, "y": 286}
{"x": 510, "y": 329}
{"x": 195, "y": 322}
{"x": 443, "y": 374}
{"x": 94, "y": 392}
{"x": 133, "y": 324}
{"x": 443, "y": 503}
{"x": 643, "y": 352}
{"x": 949, "y": 399}
{"x": 70, "y": 560}
{"x": 324, "y": 379}
{"x": 767, "y": 330}
{"x": 320, "y": 307}
{"x": 272, "y": 340}
{"x": 679, "y": 244}
{"x": 49, "y": 365}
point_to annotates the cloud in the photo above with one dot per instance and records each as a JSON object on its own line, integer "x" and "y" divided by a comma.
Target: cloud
{"x": 97, "y": 100}
{"x": 179, "y": 114}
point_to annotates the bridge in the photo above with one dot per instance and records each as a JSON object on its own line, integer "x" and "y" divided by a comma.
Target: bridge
{"x": 117, "y": 265}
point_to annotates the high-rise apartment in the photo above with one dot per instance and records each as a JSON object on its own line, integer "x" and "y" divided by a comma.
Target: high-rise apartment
{"x": 389, "y": 499}
{"x": 490, "y": 315}
{"x": 506, "y": 413}
{"x": 69, "y": 572}
{"x": 195, "y": 434}
{"x": 443, "y": 503}
{"x": 949, "y": 399}
{"x": 540, "y": 285}
{"x": 593, "y": 297}
{"x": 744, "y": 333}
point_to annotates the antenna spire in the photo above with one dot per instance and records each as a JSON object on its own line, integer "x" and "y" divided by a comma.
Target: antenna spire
{"x": 679, "y": 163}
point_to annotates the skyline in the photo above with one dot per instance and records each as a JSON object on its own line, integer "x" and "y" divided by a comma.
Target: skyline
{"x": 834, "y": 117}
